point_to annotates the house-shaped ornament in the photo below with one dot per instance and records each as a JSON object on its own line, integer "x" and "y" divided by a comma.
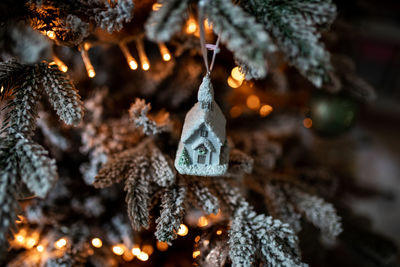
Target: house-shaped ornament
{"x": 203, "y": 148}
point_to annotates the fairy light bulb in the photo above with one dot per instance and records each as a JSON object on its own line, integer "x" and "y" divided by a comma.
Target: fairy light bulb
{"x": 60, "y": 243}
{"x": 30, "y": 242}
{"x": 219, "y": 232}
{"x": 143, "y": 256}
{"x": 118, "y": 249}
{"x": 237, "y": 74}
{"x": 191, "y": 26}
{"x": 40, "y": 248}
{"x": 128, "y": 56}
{"x": 202, "y": 222}
{"x": 51, "y": 34}
{"x": 88, "y": 65}
{"x": 20, "y": 238}
{"x": 60, "y": 64}
{"x": 156, "y": 6}
{"x": 136, "y": 250}
{"x": 195, "y": 254}
{"x": 183, "y": 230}
{"x": 265, "y": 110}
{"x": 233, "y": 83}
{"x": 142, "y": 55}
{"x": 164, "y": 52}
{"x": 97, "y": 243}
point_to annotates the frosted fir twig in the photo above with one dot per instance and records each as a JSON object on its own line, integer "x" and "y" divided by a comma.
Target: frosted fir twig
{"x": 294, "y": 26}
{"x": 202, "y": 196}
{"x": 240, "y": 33}
{"x": 166, "y": 21}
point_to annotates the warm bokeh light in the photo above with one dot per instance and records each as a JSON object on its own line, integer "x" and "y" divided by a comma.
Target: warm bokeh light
{"x": 128, "y": 56}
{"x": 128, "y": 256}
{"x": 97, "y": 243}
{"x": 60, "y": 243}
{"x": 191, "y": 26}
{"x": 133, "y": 64}
{"x": 196, "y": 253}
{"x": 40, "y": 248}
{"x": 164, "y": 52}
{"x": 265, "y": 110}
{"x": 87, "y": 46}
{"x": 143, "y": 256}
{"x": 20, "y": 239}
{"x": 148, "y": 249}
{"x": 183, "y": 230}
{"x": 307, "y": 122}
{"x": 51, "y": 34}
{"x": 253, "y": 102}
{"x": 136, "y": 250}
{"x": 1, "y": 91}
{"x": 237, "y": 75}
{"x": 118, "y": 249}
{"x": 233, "y": 83}
{"x": 206, "y": 242}
{"x": 219, "y": 232}
{"x": 162, "y": 246}
{"x": 91, "y": 73}
{"x": 202, "y": 222}
{"x": 235, "y": 111}
{"x": 197, "y": 239}
{"x": 30, "y": 242}
{"x": 145, "y": 66}
{"x": 156, "y": 6}
{"x": 166, "y": 57}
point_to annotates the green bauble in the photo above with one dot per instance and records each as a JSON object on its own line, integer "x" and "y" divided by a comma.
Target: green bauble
{"x": 332, "y": 115}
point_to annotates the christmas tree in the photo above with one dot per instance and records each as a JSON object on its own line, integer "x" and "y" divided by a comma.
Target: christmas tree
{"x": 94, "y": 96}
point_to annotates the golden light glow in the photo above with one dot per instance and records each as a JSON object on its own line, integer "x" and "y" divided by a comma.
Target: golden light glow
{"x": 197, "y": 239}
{"x": 183, "y": 230}
{"x": 60, "y": 243}
{"x": 207, "y": 26}
{"x": 202, "y": 222}
{"x": 148, "y": 249}
{"x": 118, "y": 249}
{"x": 60, "y": 64}
{"x": 307, "y": 122}
{"x": 253, "y": 102}
{"x": 128, "y": 256}
{"x": 51, "y": 34}
{"x": 128, "y": 56}
{"x": 206, "y": 242}
{"x": 162, "y": 246}
{"x": 196, "y": 253}
{"x": 164, "y": 52}
{"x": 145, "y": 66}
{"x": 191, "y": 26}
{"x": 219, "y": 232}
{"x": 20, "y": 239}
{"x": 87, "y": 46}
{"x": 88, "y": 65}
{"x": 233, "y": 83}
{"x": 235, "y": 111}
{"x": 156, "y": 6}
{"x": 136, "y": 250}
{"x": 143, "y": 256}
{"x": 1, "y": 91}
{"x": 265, "y": 110}
{"x": 237, "y": 75}
{"x": 30, "y": 242}
{"x": 97, "y": 243}
{"x": 40, "y": 248}
{"x": 142, "y": 55}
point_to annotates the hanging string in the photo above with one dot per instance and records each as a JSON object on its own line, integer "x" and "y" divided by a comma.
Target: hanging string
{"x": 203, "y": 44}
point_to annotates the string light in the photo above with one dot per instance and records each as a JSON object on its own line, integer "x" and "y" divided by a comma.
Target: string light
{"x": 191, "y": 26}
{"x": 136, "y": 250}
{"x": 156, "y": 6}
{"x": 237, "y": 74}
{"x": 253, "y": 102}
{"x": 307, "y": 122}
{"x": 219, "y": 232}
{"x": 30, "y": 242}
{"x": 143, "y": 256}
{"x": 60, "y": 243}
{"x": 162, "y": 246}
{"x": 40, "y": 248}
{"x": 97, "y": 243}
{"x": 20, "y": 238}
{"x": 118, "y": 249}
{"x": 148, "y": 249}
{"x": 142, "y": 55}
{"x": 164, "y": 52}
{"x": 60, "y": 64}
{"x": 183, "y": 230}
{"x": 202, "y": 222}
{"x": 51, "y": 34}
{"x": 196, "y": 253}
{"x": 128, "y": 256}
{"x": 265, "y": 110}
{"x": 233, "y": 83}
{"x": 128, "y": 56}
{"x": 235, "y": 111}
{"x": 88, "y": 65}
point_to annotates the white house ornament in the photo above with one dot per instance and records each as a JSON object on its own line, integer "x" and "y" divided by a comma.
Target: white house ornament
{"x": 203, "y": 148}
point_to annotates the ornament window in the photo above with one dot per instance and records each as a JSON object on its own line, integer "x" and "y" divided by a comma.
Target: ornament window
{"x": 203, "y": 133}
{"x": 201, "y": 159}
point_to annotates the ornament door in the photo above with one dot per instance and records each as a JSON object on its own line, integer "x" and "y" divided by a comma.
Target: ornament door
{"x": 202, "y": 155}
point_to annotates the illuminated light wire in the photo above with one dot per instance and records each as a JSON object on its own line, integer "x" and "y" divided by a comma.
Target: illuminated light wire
{"x": 88, "y": 65}
{"x": 142, "y": 55}
{"x": 164, "y": 52}
{"x": 128, "y": 56}
{"x": 60, "y": 64}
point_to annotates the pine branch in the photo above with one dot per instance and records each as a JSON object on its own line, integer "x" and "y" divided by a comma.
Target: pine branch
{"x": 241, "y": 34}
{"x": 165, "y": 22}
{"x": 202, "y": 196}
{"x": 294, "y": 26}
{"x": 171, "y": 216}
{"x": 113, "y": 18}
{"x": 62, "y": 95}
